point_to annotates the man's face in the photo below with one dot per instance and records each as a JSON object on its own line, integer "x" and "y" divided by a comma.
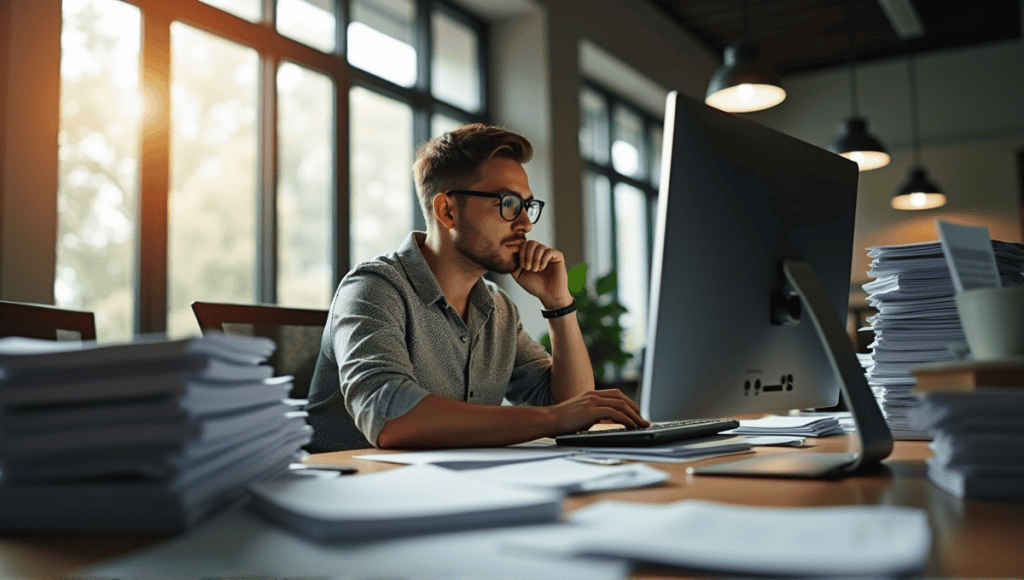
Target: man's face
{"x": 481, "y": 235}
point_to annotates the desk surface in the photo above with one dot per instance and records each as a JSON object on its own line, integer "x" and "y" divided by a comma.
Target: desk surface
{"x": 971, "y": 538}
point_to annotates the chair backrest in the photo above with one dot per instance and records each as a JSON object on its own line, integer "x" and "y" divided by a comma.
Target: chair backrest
{"x": 45, "y": 322}
{"x": 297, "y": 332}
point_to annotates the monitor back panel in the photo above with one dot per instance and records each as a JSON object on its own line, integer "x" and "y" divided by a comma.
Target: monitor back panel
{"x": 736, "y": 199}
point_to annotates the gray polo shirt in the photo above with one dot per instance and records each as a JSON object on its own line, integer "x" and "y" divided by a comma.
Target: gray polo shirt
{"x": 392, "y": 338}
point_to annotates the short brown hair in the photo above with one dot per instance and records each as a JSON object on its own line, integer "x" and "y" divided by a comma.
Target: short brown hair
{"x": 452, "y": 160}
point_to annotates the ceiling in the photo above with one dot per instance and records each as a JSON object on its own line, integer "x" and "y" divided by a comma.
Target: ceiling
{"x": 796, "y": 36}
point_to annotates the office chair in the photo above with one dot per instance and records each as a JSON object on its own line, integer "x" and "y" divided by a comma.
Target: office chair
{"x": 45, "y": 322}
{"x": 296, "y": 331}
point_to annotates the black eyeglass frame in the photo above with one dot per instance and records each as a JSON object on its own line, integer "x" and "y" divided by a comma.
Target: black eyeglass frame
{"x": 523, "y": 203}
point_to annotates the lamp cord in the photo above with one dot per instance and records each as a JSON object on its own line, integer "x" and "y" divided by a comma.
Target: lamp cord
{"x": 850, "y": 58}
{"x": 912, "y": 76}
{"x": 746, "y": 24}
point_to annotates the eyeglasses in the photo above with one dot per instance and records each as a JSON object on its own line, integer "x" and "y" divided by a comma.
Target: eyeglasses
{"x": 511, "y": 204}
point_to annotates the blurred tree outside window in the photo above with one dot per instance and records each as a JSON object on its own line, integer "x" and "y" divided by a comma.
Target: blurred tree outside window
{"x": 305, "y": 181}
{"x": 311, "y": 22}
{"x": 382, "y": 188}
{"x": 212, "y": 213}
{"x": 97, "y": 196}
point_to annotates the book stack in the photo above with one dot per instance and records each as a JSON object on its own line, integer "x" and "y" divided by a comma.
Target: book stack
{"x": 917, "y": 321}
{"x": 975, "y": 415}
{"x": 150, "y": 436}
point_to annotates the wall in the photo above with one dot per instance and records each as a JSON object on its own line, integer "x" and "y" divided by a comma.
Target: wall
{"x": 28, "y": 182}
{"x": 971, "y": 106}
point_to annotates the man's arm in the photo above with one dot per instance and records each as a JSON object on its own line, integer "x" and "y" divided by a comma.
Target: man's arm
{"x": 440, "y": 422}
{"x": 542, "y": 273}
{"x": 572, "y": 373}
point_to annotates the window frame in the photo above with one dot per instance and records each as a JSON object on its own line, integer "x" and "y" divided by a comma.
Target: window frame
{"x": 420, "y": 97}
{"x": 273, "y": 49}
{"x": 607, "y": 170}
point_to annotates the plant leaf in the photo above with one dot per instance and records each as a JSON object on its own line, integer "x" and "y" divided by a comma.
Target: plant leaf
{"x": 578, "y": 278}
{"x": 607, "y": 283}
{"x": 545, "y": 341}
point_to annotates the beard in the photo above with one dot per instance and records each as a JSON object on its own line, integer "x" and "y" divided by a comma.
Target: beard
{"x": 469, "y": 242}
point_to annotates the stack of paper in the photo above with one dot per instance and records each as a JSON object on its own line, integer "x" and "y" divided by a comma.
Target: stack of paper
{"x": 410, "y": 500}
{"x": 146, "y": 436}
{"x": 812, "y": 426}
{"x": 851, "y": 541}
{"x": 978, "y": 440}
{"x": 917, "y": 320}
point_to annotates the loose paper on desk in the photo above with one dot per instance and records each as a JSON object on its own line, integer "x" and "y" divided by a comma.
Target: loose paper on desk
{"x": 570, "y": 476}
{"x": 471, "y": 458}
{"x": 533, "y": 451}
{"x": 849, "y": 540}
{"x": 969, "y": 254}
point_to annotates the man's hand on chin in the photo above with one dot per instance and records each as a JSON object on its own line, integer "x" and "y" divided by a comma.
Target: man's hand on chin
{"x": 542, "y": 273}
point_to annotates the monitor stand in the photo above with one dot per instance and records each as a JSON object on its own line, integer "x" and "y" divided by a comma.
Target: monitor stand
{"x": 873, "y": 434}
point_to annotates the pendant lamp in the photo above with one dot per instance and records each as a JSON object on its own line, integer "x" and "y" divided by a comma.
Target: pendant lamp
{"x": 918, "y": 192}
{"x": 854, "y": 142}
{"x": 742, "y": 84}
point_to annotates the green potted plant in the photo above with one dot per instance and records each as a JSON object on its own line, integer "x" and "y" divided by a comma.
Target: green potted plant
{"x": 598, "y": 317}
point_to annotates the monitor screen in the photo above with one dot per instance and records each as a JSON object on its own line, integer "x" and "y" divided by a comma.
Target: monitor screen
{"x": 735, "y": 200}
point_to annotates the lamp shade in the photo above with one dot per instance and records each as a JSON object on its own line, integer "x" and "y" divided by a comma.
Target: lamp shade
{"x": 918, "y": 193}
{"x": 741, "y": 84}
{"x": 856, "y": 144}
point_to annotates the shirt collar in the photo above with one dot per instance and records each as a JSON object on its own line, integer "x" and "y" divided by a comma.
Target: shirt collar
{"x": 425, "y": 283}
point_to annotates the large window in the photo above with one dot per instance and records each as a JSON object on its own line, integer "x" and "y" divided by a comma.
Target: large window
{"x": 418, "y": 72}
{"x": 621, "y": 146}
{"x": 208, "y": 149}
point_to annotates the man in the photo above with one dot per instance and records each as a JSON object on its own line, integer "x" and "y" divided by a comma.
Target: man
{"x": 419, "y": 350}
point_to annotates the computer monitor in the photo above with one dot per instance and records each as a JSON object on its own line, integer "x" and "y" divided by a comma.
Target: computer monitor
{"x": 750, "y": 274}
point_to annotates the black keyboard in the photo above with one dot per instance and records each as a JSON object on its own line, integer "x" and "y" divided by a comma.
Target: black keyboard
{"x": 656, "y": 434}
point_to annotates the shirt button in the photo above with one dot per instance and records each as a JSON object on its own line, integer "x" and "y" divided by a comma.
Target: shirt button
{"x": 463, "y": 338}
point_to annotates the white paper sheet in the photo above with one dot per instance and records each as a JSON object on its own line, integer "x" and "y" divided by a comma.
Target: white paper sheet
{"x": 969, "y": 254}
{"x": 571, "y": 476}
{"x": 471, "y": 458}
{"x": 737, "y": 539}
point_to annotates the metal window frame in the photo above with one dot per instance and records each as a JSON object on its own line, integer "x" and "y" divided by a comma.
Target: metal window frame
{"x": 650, "y": 123}
{"x": 420, "y": 96}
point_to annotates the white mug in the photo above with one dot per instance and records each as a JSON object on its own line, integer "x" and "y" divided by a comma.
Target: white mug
{"x": 993, "y": 321}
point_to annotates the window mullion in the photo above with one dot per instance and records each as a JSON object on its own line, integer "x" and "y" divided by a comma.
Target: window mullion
{"x": 154, "y": 175}
{"x": 424, "y": 45}
{"x": 421, "y": 107}
{"x": 266, "y": 276}
{"x": 342, "y": 15}
{"x": 342, "y": 259}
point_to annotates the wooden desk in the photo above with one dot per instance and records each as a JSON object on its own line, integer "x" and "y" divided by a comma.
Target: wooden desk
{"x": 971, "y": 538}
